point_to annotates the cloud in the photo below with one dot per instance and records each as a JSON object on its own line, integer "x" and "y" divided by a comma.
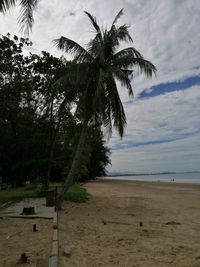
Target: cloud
{"x": 159, "y": 117}
{"x": 166, "y": 134}
{"x": 181, "y": 155}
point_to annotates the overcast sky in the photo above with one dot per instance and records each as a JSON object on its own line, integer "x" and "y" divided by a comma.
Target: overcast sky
{"x": 163, "y": 131}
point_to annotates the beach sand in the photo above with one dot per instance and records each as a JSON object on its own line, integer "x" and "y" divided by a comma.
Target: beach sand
{"x": 17, "y": 237}
{"x": 141, "y": 224}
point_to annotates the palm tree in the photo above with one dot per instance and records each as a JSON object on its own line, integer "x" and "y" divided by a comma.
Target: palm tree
{"x": 99, "y": 66}
{"x": 26, "y": 13}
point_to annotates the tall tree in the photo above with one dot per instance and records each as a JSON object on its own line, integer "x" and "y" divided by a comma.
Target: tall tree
{"x": 98, "y": 154}
{"x": 33, "y": 112}
{"x": 98, "y": 67}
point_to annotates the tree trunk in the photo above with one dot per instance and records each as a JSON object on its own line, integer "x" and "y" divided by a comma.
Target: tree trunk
{"x": 51, "y": 157}
{"x": 54, "y": 134}
{"x": 76, "y": 160}
{"x": 51, "y": 153}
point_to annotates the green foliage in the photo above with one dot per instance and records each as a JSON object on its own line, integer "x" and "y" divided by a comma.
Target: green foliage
{"x": 16, "y": 194}
{"x": 96, "y": 156}
{"x": 29, "y": 191}
{"x": 27, "y": 118}
{"x": 38, "y": 131}
{"x": 77, "y": 194}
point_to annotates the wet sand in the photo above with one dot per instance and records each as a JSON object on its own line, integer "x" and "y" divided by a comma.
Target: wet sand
{"x": 136, "y": 224}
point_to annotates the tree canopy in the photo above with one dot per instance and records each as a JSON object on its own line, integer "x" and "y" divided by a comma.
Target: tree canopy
{"x": 38, "y": 130}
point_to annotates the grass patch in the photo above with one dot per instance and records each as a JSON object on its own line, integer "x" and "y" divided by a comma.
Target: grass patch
{"x": 16, "y": 194}
{"x": 77, "y": 194}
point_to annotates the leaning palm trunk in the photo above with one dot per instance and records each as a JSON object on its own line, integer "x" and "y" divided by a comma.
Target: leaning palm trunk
{"x": 76, "y": 160}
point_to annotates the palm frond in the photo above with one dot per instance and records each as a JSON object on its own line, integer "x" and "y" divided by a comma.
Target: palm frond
{"x": 116, "y": 35}
{"x": 129, "y": 51}
{"x": 123, "y": 77}
{"x": 25, "y": 19}
{"x": 94, "y": 22}
{"x": 130, "y": 57}
{"x": 124, "y": 59}
{"x": 6, "y": 4}
{"x": 94, "y": 47}
{"x": 107, "y": 120}
{"x": 145, "y": 67}
{"x": 119, "y": 117}
{"x": 123, "y": 34}
{"x": 117, "y": 17}
{"x": 70, "y": 46}
{"x": 115, "y": 105}
{"x": 26, "y": 15}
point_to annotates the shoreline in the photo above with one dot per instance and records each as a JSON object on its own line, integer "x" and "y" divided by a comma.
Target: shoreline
{"x": 175, "y": 181}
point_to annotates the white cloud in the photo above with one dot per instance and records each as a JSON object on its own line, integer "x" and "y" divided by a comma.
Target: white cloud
{"x": 159, "y": 117}
{"x": 181, "y": 155}
{"x": 175, "y": 117}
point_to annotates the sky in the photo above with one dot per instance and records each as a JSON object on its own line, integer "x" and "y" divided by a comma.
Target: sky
{"x": 163, "y": 118}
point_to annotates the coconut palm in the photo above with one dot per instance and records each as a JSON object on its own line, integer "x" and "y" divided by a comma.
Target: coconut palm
{"x": 99, "y": 66}
{"x": 26, "y": 13}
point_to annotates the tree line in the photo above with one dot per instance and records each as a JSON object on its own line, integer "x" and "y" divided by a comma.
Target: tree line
{"x": 38, "y": 130}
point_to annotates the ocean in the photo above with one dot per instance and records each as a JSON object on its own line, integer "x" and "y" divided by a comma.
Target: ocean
{"x": 172, "y": 178}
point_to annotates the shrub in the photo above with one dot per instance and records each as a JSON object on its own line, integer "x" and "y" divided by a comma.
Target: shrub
{"x": 77, "y": 194}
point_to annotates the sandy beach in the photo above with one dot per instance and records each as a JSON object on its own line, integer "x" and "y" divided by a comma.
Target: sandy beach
{"x": 136, "y": 224}
{"x": 17, "y": 237}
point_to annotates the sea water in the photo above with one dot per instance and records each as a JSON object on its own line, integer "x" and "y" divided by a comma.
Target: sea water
{"x": 176, "y": 178}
